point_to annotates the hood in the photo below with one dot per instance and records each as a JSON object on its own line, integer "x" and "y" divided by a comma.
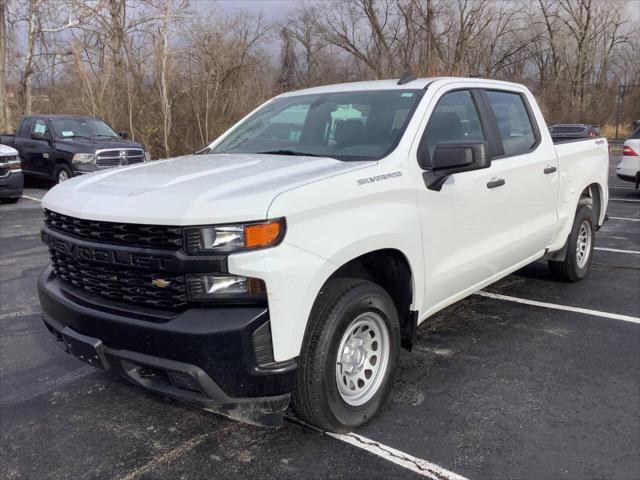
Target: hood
{"x": 191, "y": 190}
{"x": 6, "y": 151}
{"x": 91, "y": 144}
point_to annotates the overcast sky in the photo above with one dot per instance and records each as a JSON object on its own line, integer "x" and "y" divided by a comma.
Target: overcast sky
{"x": 271, "y": 8}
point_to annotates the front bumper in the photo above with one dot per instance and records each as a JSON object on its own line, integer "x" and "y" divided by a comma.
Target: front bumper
{"x": 205, "y": 356}
{"x": 11, "y": 186}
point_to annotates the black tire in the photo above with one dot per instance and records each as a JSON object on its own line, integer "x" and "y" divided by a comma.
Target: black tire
{"x": 9, "y": 199}
{"x": 316, "y": 398}
{"x": 571, "y": 269}
{"x": 62, "y": 169}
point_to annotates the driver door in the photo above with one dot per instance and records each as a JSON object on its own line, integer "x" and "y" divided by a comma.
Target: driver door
{"x": 464, "y": 229}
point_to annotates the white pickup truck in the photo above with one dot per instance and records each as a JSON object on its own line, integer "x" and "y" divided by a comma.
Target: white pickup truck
{"x": 292, "y": 259}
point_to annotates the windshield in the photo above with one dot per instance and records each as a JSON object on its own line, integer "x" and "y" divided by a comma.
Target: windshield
{"x": 81, "y": 127}
{"x": 347, "y": 126}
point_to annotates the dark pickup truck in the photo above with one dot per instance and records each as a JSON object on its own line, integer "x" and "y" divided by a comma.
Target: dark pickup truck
{"x": 58, "y": 147}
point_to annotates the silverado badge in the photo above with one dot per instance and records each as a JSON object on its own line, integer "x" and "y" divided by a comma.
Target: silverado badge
{"x": 160, "y": 283}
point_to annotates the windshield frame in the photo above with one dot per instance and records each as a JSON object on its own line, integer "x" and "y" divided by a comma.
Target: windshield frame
{"x": 419, "y": 92}
{"x": 58, "y": 132}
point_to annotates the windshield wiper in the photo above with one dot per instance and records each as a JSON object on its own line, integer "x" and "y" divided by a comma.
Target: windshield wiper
{"x": 290, "y": 152}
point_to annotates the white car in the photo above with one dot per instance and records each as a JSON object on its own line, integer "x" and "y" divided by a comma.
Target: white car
{"x": 11, "y": 179}
{"x": 293, "y": 259}
{"x": 629, "y": 166}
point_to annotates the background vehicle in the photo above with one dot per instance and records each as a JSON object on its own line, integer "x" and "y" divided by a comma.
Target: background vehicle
{"x": 629, "y": 166}
{"x": 293, "y": 260}
{"x": 571, "y": 131}
{"x": 59, "y": 147}
{"x": 11, "y": 180}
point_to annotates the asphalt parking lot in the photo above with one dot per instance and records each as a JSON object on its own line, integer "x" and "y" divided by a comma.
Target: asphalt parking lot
{"x": 494, "y": 388}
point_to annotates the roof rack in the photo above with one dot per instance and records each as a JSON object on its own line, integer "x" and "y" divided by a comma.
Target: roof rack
{"x": 406, "y": 78}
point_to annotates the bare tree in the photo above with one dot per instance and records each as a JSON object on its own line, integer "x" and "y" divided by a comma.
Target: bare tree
{"x": 4, "y": 105}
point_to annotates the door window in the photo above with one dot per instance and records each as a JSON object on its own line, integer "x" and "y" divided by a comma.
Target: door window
{"x": 455, "y": 119}
{"x": 40, "y": 127}
{"x": 514, "y": 124}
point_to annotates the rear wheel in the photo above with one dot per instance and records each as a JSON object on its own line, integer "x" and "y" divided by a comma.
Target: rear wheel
{"x": 9, "y": 199}
{"x": 349, "y": 358}
{"x": 580, "y": 245}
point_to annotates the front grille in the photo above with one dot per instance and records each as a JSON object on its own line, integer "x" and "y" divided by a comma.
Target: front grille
{"x": 129, "y": 234}
{"x": 5, "y": 169}
{"x": 121, "y": 156}
{"x": 121, "y": 284}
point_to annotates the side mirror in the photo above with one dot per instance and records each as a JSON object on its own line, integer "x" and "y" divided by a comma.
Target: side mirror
{"x": 40, "y": 136}
{"x": 123, "y": 135}
{"x": 455, "y": 157}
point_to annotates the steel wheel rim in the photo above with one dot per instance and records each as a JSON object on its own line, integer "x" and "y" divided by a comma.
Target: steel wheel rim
{"x": 362, "y": 359}
{"x": 583, "y": 244}
{"x": 62, "y": 176}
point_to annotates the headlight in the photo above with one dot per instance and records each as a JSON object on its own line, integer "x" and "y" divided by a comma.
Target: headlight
{"x": 83, "y": 158}
{"x": 206, "y": 287}
{"x": 233, "y": 238}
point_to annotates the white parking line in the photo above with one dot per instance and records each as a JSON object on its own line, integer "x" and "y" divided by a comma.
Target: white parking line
{"x": 402, "y": 459}
{"x": 624, "y": 200}
{"x": 596, "y": 313}
{"x": 626, "y": 219}
{"x": 31, "y": 198}
{"x": 417, "y": 465}
{"x": 633, "y": 252}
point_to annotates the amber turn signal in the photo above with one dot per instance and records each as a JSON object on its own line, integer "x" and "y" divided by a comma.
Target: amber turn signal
{"x": 263, "y": 234}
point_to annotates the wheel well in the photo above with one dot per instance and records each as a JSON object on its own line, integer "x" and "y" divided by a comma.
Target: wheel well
{"x": 390, "y": 269}
{"x": 592, "y": 197}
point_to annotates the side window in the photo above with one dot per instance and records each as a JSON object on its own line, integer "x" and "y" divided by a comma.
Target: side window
{"x": 455, "y": 119}
{"x": 25, "y": 128}
{"x": 514, "y": 124}
{"x": 40, "y": 126}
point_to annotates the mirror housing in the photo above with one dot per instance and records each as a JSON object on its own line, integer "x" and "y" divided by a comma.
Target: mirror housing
{"x": 40, "y": 136}
{"x": 123, "y": 135}
{"x": 455, "y": 157}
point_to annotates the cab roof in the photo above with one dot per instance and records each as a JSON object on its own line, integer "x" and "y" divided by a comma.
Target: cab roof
{"x": 392, "y": 84}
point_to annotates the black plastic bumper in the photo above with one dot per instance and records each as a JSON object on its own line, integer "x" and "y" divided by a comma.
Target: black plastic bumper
{"x": 203, "y": 355}
{"x": 11, "y": 185}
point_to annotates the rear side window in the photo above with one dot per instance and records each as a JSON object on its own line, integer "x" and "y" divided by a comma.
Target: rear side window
{"x": 514, "y": 124}
{"x": 455, "y": 119}
{"x": 25, "y": 128}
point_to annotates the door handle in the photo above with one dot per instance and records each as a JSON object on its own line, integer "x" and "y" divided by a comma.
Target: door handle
{"x": 549, "y": 169}
{"x": 496, "y": 182}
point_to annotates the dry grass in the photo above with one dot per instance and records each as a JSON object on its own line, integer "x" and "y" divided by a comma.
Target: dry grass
{"x": 609, "y": 131}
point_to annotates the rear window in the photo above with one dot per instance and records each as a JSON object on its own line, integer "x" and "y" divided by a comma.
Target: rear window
{"x": 635, "y": 135}
{"x": 568, "y": 129}
{"x": 514, "y": 124}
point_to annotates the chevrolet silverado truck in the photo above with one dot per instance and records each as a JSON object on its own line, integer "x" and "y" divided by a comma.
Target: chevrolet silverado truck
{"x": 11, "y": 180}
{"x": 292, "y": 259}
{"x": 58, "y": 147}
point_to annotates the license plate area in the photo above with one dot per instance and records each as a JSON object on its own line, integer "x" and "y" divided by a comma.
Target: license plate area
{"x": 86, "y": 349}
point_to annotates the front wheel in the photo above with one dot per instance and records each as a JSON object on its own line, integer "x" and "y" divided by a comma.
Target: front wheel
{"x": 580, "y": 245}
{"x": 349, "y": 357}
{"x": 63, "y": 173}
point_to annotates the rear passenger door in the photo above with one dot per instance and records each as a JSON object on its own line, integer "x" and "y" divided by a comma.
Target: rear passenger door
{"x": 530, "y": 171}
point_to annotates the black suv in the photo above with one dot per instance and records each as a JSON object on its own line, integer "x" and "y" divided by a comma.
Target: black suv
{"x": 58, "y": 147}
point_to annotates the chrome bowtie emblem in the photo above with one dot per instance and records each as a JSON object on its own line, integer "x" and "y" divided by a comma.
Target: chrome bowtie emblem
{"x": 123, "y": 157}
{"x": 160, "y": 283}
